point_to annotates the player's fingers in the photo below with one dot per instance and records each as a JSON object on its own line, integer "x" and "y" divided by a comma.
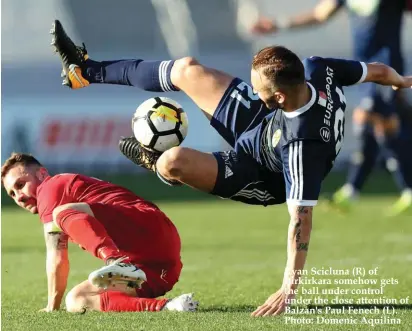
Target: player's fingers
{"x": 280, "y": 310}
{"x": 255, "y": 311}
{"x": 260, "y": 311}
{"x": 271, "y": 311}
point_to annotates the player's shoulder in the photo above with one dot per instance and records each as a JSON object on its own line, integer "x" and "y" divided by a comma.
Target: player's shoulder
{"x": 63, "y": 177}
{"x": 58, "y": 180}
{"x": 314, "y": 65}
{"x": 314, "y": 62}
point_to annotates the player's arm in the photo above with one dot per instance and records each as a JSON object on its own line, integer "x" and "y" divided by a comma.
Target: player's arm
{"x": 321, "y": 13}
{"x": 350, "y": 72}
{"x": 57, "y": 266}
{"x": 300, "y": 228}
{"x": 385, "y": 75}
{"x": 55, "y": 192}
{"x": 304, "y": 165}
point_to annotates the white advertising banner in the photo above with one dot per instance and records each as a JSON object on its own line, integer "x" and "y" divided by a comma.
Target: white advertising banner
{"x": 84, "y": 133}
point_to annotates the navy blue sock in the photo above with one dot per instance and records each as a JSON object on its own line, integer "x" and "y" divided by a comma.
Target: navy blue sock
{"x": 363, "y": 160}
{"x": 148, "y": 75}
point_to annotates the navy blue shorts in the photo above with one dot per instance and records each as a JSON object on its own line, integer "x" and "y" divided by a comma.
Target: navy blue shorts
{"x": 240, "y": 176}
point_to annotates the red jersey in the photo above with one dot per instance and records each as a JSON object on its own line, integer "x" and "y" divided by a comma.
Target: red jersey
{"x": 139, "y": 228}
{"x": 67, "y": 188}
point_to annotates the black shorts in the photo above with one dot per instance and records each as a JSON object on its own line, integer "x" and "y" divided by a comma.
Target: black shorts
{"x": 240, "y": 176}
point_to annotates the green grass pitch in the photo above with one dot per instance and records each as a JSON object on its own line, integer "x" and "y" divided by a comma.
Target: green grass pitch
{"x": 234, "y": 257}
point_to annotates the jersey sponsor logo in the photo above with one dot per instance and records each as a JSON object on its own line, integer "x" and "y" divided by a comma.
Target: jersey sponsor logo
{"x": 337, "y": 126}
{"x": 276, "y": 137}
{"x": 325, "y": 133}
{"x": 329, "y": 103}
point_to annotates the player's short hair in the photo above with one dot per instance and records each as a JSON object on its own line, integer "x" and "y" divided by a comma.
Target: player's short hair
{"x": 280, "y": 66}
{"x": 18, "y": 159}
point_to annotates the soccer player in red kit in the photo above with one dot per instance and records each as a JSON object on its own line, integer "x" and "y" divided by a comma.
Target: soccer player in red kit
{"x": 139, "y": 244}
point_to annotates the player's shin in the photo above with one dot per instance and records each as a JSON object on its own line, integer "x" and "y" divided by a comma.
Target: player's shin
{"x": 147, "y": 75}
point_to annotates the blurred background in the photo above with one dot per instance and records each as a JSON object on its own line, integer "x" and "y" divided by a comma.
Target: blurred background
{"x": 78, "y": 130}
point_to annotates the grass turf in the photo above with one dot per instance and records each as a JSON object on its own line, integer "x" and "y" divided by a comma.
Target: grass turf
{"x": 234, "y": 257}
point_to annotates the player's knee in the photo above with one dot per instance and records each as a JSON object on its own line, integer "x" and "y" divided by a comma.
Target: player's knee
{"x": 172, "y": 163}
{"x": 184, "y": 69}
{"x": 76, "y": 301}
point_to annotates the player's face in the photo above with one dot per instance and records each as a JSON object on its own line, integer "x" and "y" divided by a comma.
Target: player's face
{"x": 21, "y": 185}
{"x": 264, "y": 88}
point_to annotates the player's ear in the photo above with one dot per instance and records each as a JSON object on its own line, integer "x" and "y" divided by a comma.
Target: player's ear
{"x": 42, "y": 173}
{"x": 280, "y": 97}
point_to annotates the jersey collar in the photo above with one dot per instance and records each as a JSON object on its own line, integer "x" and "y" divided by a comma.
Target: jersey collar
{"x": 306, "y": 107}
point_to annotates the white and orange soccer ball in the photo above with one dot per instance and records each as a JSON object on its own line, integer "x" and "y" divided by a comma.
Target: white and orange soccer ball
{"x": 160, "y": 123}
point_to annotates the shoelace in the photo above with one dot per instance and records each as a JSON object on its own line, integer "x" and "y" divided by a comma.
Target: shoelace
{"x": 81, "y": 51}
{"x": 118, "y": 261}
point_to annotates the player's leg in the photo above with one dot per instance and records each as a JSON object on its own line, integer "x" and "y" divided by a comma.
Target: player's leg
{"x": 204, "y": 85}
{"x": 188, "y": 166}
{"x": 87, "y": 297}
{"x": 77, "y": 220}
{"x": 389, "y": 134}
{"x": 395, "y": 150}
{"x": 224, "y": 174}
{"x": 363, "y": 160}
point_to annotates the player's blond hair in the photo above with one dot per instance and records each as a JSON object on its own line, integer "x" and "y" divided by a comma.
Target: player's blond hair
{"x": 18, "y": 159}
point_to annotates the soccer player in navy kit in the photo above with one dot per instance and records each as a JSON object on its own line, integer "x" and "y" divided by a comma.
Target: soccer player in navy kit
{"x": 291, "y": 123}
{"x": 376, "y": 30}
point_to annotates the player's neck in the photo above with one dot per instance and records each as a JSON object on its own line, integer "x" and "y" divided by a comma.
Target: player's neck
{"x": 303, "y": 96}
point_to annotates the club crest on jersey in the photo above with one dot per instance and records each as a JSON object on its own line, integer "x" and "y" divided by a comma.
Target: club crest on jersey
{"x": 276, "y": 137}
{"x": 325, "y": 133}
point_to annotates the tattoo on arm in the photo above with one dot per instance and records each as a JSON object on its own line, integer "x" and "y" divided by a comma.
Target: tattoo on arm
{"x": 56, "y": 241}
{"x": 303, "y": 247}
{"x": 301, "y": 215}
{"x": 303, "y": 210}
{"x": 298, "y": 230}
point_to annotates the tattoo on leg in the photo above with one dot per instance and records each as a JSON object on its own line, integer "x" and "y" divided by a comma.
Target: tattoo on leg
{"x": 303, "y": 247}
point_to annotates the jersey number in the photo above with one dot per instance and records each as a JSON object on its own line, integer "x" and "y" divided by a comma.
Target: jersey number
{"x": 338, "y": 129}
{"x": 236, "y": 94}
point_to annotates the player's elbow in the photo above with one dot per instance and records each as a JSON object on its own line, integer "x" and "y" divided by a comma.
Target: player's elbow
{"x": 185, "y": 69}
{"x": 378, "y": 72}
{"x": 172, "y": 163}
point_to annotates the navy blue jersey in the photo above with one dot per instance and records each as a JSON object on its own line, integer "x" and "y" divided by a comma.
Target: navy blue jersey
{"x": 303, "y": 144}
{"x": 376, "y": 29}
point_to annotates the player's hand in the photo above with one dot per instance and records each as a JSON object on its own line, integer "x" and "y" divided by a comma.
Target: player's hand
{"x": 406, "y": 82}
{"x": 264, "y": 26}
{"x": 275, "y": 305}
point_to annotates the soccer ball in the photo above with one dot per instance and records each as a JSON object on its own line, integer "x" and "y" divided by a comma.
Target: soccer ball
{"x": 159, "y": 124}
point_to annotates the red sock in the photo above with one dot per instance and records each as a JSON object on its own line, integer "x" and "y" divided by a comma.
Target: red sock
{"x": 119, "y": 301}
{"x": 88, "y": 232}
